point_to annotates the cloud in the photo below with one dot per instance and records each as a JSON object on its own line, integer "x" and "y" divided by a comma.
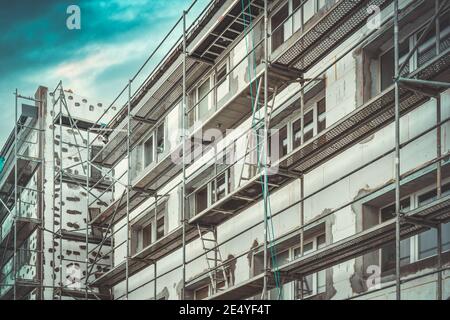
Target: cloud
{"x": 116, "y": 38}
{"x": 81, "y": 74}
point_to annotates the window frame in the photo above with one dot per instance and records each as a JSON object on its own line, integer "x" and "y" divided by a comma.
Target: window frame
{"x": 412, "y": 39}
{"x": 151, "y": 217}
{"x": 293, "y": 15}
{"x": 313, "y": 104}
{"x": 292, "y": 287}
{"x": 414, "y": 246}
{"x": 226, "y": 64}
{"x": 151, "y": 136}
{"x": 209, "y": 99}
{"x": 315, "y": 276}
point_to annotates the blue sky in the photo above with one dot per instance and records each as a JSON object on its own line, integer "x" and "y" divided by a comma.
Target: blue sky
{"x": 116, "y": 37}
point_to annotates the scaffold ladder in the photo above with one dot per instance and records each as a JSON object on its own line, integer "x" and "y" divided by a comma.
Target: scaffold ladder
{"x": 214, "y": 261}
{"x": 254, "y": 133}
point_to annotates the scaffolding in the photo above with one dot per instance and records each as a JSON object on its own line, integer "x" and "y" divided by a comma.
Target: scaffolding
{"x": 182, "y": 69}
{"x": 70, "y": 150}
{"x": 21, "y": 204}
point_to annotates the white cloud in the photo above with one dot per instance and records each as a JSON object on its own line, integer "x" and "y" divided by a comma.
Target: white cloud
{"x": 80, "y": 75}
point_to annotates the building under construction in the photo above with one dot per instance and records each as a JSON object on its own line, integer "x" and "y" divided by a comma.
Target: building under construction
{"x": 280, "y": 149}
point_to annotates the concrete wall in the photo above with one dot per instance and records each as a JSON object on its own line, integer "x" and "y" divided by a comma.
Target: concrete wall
{"x": 71, "y": 196}
{"x": 342, "y": 96}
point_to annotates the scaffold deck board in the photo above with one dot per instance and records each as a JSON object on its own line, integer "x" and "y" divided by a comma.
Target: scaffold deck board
{"x": 336, "y": 25}
{"x": 23, "y": 288}
{"x": 244, "y": 290}
{"x": 367, "y": 240}
{"x": 365, "y": 120}
{"x": 239, "y": 199}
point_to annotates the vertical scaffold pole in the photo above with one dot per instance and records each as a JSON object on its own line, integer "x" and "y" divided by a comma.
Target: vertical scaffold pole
{"x": 265, "y": 150}
{"x": 397, "y": 153}
{"x": 183, "y": 130}
{"x": 438, "y": 155}
{"x": 54, "y": 173}
{"x": 60, "y": 192}
{"x": 41, "y": 179}
{"x": 16, "y": 133}
{"x": 127, "y": 261}
{"x": 439, "y": 194}
{"x": 88, "y": 162}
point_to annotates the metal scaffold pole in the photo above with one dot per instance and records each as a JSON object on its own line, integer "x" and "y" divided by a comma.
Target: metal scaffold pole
{"x": 265, "y": 151}
{"x": 54, "y": 173}
{"x": 60, "y": 192}
{"x": 438, "y": 155}
{"x": 88, "y": 154}
{"x": 41, "y": 193}
{"x": 183, "y": 129}
{"x": 397, "y": 153}
{"x": 16, "y": 133}
{"x": 127, "y": 261}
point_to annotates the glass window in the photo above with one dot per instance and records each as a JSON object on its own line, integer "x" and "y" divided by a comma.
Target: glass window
{"x": 428, "y": 239}
{"x": 321, "y": 116}
{"x": 277, "y": 28}
{"x": 222, "y": 75}
{"x": 388, "y": 255}
{"x": 308, "y": 247}
{"x": 201, "y": 199}
{"x": 283, "y": 257}
{"x": 308, "y": 10}
{"x": 221, "y": 188}
{"x": 148, "y": 151}
{"x": 297, "y": 133}
{"x": 321, "y": 281}
{"x": 308, "y": 288}
{"x": 321, "y": 241}
{"x": 427, "y": 49}
{"x": 427, "y": 197}
{"x": 445, "y": 189}
{"x": 160, "y": 136}
{"x": 203, "y": 98}
{"x": 321, "y": 3}
{"x": 136, "y": 161}
{"x": 190, "y": 105}
{"x": 160, "y": 228}
{"x": 223, "y": 85}
{"x": 309, "y": 125}
{"x": 446, "y": 237}
{"x": 283, "y": 141}
{"x": 387, "y": 64}
{"x": 141, "y": 235}
{"x": 444, "y": 22}
{"x": 147, "y": 235}
{"x": 427, "y": 244}
{"x": 388, "y": 251}
{"x": 388, "y": 212}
